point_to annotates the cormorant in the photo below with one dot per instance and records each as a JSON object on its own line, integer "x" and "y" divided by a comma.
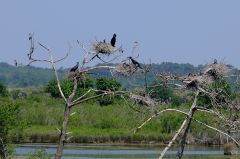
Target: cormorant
{"x": 113, "y": 40}
{"x": 15, "y": 63}
{"x": 215, "y": 61}
{"x": 137, "y": 64}
{"x": 104, "y": 41}
{"x": 73, "y": 69}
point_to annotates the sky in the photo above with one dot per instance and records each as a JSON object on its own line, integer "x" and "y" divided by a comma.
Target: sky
{"x": 186, "y": 31}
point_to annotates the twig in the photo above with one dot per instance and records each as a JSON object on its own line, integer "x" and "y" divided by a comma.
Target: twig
{"x": 85, "y": 94}
{"x": 61, "y": 59}
{"x": 96, "y": 96}
{"x": 73, "y": 91}
{"x": 44, "y": 46}
{"x": 157, "y": 114}
{"x": 57, "y": 78}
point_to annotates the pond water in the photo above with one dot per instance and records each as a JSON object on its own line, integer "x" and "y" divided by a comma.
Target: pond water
{"x": 96, "y": 151}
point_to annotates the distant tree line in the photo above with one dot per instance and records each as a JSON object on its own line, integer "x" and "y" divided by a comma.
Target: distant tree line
{"x": 34, "y": 76}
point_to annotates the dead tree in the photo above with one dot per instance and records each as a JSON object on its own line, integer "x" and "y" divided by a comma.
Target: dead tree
{"x": 100, "y": 49}
{"x": 202, "y": 83}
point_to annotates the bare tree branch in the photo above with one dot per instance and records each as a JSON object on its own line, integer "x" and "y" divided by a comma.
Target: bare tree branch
{"x": 99, "y": 95}
{"x": 85, "y": 94}
{"x": 57, "y": 78}
{"x": 156, "y": 115}
{"x": 235, "y": 141}
{"x": 73, "y": 91}
{"x": 63, "y": 58}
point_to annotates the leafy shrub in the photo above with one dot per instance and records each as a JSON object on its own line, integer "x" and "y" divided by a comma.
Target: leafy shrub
{"x": 165, "y": 94}
{"x": 3, "y": 90}
{"x": 41, "y": 154}
{"x": 106, "y": 84}
{"x": 67, "y": 87}
{"x": 8, "y": 119}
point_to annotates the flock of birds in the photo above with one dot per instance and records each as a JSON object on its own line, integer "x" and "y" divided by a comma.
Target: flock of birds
{"x": 112, "y": 42}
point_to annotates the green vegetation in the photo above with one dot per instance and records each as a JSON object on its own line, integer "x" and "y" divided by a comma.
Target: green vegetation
{"x": 165, "y": 94}
{"x": 9, "y": 113}
{"x": 25, "y": 76}
{"x": 28, "y": 76}
{"x": 92, "y": 123}
{"x": 106, "y": 84}
{"x": 67, "y": 87}
{"x": 40, "y": 110}
{"x": 41, "y": 154}
{"x": 3, "y": 90}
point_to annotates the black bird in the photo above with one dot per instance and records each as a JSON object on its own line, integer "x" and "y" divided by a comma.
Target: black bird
{"x": 215, "y": 61}
{"x": 113, "y": 40}
{"x": 15, "y": 63}
{"x": 73, "y": 69}
{"x": 137, "y": 64}
{"x": 104, "y": 41}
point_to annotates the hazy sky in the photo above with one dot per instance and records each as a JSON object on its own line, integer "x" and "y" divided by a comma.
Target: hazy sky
{"x": 183, "y": 31}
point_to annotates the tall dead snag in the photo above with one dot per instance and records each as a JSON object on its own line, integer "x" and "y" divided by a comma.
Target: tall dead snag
{"x": 77, "y": 73}
{"x": 187, "y": 124}
{"x": 209, "y": 82}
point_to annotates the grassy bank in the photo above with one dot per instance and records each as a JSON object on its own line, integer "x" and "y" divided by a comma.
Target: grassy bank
{"x": 42, "y": 115}
{"x": 48, "y": 134}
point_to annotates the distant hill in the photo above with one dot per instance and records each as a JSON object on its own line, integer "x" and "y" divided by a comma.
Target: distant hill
{"x": 25, "y": 76}
{"x": 28, "y": 76}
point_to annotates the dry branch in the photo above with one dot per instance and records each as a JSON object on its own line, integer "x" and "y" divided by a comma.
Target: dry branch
{"x": 156, "y": 115}
{"x": 234, "y": 140}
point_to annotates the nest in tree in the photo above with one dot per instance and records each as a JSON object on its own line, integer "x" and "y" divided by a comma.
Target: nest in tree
{"x": 193, "y": 81}
{"x": 79, "y": 75}
{"x": 125, "y": 69}
{"x": 211, "y": 73}
{"x": 214, "y": 72}
{"x": 72, "y": 75}
{"x": 102, "y": 47}
{"x": 142, "y": 100}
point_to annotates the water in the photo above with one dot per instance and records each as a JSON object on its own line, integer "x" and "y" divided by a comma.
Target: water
{"x": 96, "y": 151}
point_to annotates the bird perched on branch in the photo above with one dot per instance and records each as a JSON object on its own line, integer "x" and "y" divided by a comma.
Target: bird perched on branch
{"x": 113, "y": 40}
{"x": 15, "y": 63}
{"x": 74, "y": 68}
{"x": 215, "y": 61}
{"x": 137, "y": 64}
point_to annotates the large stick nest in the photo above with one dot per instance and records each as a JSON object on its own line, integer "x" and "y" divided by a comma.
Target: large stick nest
{"x": 102, "y": 47}
{"x": 125, "y": 69}
{"x": 211, "y": 73}
{"x": 79, "y": 75}
{"x": 215, "y": 71}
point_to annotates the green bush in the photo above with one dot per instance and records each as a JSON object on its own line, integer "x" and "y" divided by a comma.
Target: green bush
{"x": 41, "y": 154}
{"x": 3, "y": 90}
{"x": 105, "y": 85}
{"x": 165, "y": 94}
{"x": 8, "y": 120}
{"x": 67, "y": 87}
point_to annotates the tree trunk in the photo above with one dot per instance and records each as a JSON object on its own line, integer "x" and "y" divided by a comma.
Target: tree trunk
{"x": 184, "y": 133}
{"x": 186, "y": 127}
{"x": 62, "y": 136}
